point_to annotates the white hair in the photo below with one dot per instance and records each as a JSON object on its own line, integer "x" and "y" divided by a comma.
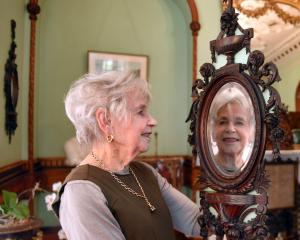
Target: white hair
{"x": 109, "y": 91}
{"x": 229, "y": 93}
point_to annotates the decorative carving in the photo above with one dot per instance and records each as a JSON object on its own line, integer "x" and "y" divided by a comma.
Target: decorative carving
{"x": 34, "y": 9}
{"x": 207, "y": 70}
{"x": 11, "y": 86}
{"x": 265, "y": 75}
{"x": 229, "y": 21}
{"x": 228, "y": 201}
{"x": 230, "y": 44}
{"x": 195, "y": 27}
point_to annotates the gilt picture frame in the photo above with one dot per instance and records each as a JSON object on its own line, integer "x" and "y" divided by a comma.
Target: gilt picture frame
{"x": 99, "y": 62}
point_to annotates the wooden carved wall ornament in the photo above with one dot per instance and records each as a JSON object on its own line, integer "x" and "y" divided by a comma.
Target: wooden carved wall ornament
{"x": 234, "y": 111}
{"x": 11, "y": 86}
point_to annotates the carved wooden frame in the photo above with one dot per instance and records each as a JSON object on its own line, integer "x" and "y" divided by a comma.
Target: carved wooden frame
{"x": 242, "y": 181}
{"x": 11, "y": 86}
{"x": 234, "y": 197}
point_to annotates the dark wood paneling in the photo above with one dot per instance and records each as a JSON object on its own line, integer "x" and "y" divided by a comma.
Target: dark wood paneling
{"x": 297, "y": 97}
{"x": 14, "y": 177}
{"x": 49, "y": 175}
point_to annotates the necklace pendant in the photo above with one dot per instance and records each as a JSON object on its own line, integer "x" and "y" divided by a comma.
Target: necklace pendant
{"x": 152, "y": 208}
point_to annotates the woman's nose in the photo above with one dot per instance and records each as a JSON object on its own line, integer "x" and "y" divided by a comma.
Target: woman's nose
{"x": 152, "y": 121}
{"x": 230, "y": 127}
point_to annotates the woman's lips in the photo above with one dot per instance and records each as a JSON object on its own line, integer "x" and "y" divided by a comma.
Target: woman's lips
{"x": 147, "y": 135}
{"x": 230, "y": 140}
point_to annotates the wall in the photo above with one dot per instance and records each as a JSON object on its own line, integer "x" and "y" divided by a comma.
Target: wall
{"x": 11, "y": 9}
{"x": 290, "y": 75}
{"x": 159, "y": 29}
{"x": 155, "y": 28}
{"x": 209, "y": 17}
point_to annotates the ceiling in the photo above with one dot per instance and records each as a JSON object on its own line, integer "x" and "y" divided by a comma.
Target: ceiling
{"x": 279, "y": 41}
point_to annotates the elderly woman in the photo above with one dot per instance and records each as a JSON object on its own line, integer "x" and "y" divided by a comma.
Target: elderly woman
{"x": 109, "y": 195}
{"x": 232, "y": 129}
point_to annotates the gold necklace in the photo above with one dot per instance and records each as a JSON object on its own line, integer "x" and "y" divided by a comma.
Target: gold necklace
{"x": 143, "y": 195}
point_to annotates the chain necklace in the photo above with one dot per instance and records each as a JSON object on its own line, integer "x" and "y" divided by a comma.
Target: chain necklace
{"x": 118, "y": 180}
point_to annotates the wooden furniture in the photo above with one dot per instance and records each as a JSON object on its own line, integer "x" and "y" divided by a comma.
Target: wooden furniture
{"x": 284, "y": 194}
{"x": 22, "y": 231}
{"x": 283, "y": 177}
{"x": 230, "y": 121}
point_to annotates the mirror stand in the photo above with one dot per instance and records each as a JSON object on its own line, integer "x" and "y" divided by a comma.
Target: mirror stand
{"x": 234, "y": 111}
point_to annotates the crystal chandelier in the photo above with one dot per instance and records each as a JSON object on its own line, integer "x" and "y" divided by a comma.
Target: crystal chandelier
{"x": 287, "y": 10}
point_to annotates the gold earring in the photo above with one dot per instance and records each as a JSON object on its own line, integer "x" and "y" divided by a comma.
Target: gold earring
{"x": 109, "y": 138}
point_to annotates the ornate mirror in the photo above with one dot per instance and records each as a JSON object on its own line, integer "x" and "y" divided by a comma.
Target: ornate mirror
{"x": 235, "y": 110}
{"x": 230, "y": 129}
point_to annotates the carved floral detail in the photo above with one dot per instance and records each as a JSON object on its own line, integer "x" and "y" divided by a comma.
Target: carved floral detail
{"x": 229, "y": 21}
{"x": 265, "y": 75}
{"x": 207, "y": 70}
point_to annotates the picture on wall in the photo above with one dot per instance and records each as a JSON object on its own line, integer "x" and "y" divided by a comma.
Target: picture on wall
{"x": 99, "y": 62}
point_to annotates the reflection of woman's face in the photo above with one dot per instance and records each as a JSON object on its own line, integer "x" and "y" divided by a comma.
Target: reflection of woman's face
{"x": 232, "y": 129}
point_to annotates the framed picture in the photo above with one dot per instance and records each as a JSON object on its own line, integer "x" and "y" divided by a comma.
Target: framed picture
{"x": 99, "y": 62}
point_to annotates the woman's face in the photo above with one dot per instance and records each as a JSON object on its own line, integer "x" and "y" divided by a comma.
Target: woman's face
{"x": 134, "y": 135}
{"x": 232, "y": 129}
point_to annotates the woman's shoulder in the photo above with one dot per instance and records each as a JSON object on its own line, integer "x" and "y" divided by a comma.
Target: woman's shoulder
{"x": 83, "y": 172}
{"x": 143, "y": 165}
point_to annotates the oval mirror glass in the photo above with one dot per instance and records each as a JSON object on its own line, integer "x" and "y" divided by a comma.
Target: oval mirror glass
{"x": 231, "y": 129}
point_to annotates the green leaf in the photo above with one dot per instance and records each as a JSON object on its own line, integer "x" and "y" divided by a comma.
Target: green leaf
{"x": 10, "y": 198}
{"x": 14, "y": 212}
{"x": 24, "y": 208}
{"x": 4, "y": 208}
{"x": 24, "y": 203}
{"x": 2, "y": 211}
{"x": 12, "y": 207}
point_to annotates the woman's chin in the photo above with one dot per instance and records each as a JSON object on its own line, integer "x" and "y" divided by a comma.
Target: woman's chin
{"x": 139, "y": 150}
{"x": 144, "y": 148}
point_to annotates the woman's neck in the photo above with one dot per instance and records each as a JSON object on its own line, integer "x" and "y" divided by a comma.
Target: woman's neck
{"x": 109, "y": 157}
{"x": 233, "y": 162}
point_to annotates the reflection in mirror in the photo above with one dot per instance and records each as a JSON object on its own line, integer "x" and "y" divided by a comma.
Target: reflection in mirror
{"x": 231, "y": 128}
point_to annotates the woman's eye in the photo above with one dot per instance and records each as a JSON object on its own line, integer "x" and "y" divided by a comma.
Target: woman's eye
{"x": 222, "y": 122}
{"x": 142, "y": 112}
{"x": 240, "y": 123}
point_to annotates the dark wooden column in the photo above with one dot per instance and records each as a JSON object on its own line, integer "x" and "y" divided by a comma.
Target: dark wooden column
{"x": 195, "y": 27}
{"x": 297, "y": 98}
{"x": 33, "y": 10}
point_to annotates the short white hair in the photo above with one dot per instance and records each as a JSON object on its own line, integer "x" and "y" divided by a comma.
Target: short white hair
{"x": 108, "y": 90}
{"x": 230, "y": 93}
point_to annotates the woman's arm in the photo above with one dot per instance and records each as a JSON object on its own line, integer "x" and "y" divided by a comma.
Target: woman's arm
{"x": 84, "y": 213}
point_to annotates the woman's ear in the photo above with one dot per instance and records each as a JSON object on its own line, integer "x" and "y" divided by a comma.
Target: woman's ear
{"x": 103, "y": 120}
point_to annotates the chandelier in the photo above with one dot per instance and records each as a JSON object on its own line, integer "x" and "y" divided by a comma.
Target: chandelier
{"x": 287, "y": 10}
